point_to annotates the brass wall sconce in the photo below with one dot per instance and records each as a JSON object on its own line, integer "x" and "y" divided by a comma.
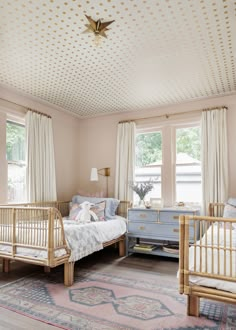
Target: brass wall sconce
{"x": 102, "y": 171}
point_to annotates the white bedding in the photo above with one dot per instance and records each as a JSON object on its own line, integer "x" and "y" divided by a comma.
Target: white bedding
{"x": 214, "y": 267}
{"x": 82, "y": 239}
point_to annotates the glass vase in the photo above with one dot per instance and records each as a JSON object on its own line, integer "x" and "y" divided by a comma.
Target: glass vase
{"x": 141, "y": 204}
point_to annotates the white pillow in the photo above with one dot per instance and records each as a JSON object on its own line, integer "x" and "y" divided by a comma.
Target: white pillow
{"x": 230, "y": 212}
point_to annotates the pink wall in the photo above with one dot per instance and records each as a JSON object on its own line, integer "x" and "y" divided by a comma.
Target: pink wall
{"x": 65, "y": 131}
{"x": 97, "y": 140}
{"x": 83, "y": 144}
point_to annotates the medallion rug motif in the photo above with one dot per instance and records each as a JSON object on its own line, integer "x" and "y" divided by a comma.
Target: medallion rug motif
{"x": 104, "y": 301}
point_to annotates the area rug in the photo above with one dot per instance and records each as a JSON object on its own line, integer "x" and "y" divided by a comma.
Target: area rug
{"x": 104, "y": 301}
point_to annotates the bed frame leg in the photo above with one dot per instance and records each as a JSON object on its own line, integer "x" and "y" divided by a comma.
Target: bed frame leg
{"x": 69, "y": 273}
{"x": 193, "y": 304}
{"x": 6, "y": 265}
{"x": 47, "y": 269}
{"x": 122, "y": 248}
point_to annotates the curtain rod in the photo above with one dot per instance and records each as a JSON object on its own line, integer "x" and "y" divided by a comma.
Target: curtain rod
{"x": 39, "y": 113}
{"x": 28, "y": 109}
{"x": 173, "y": 114}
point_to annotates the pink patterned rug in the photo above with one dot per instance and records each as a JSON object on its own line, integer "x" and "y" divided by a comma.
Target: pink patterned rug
{"x": 104, "y": 301}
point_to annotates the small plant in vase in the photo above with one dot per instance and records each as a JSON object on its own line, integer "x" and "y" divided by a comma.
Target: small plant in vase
{"x": 141, "y": 189}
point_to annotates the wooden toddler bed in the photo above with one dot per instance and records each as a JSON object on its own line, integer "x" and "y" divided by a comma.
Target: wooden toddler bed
{"x": 34, "y": 233}
{"x": 207, "y": 266}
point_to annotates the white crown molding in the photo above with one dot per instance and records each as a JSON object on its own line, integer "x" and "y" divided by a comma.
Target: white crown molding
{"x": 11, "y": 90}
{"x": 17, "y": 93}
{"x": 169, "y": 105}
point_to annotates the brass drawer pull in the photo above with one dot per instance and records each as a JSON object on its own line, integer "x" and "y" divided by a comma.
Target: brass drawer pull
{"x": 176, "y": 230}
{"x": 176, "y": 217}
{"x": 142, "y": 215}
{"x": 142, "y": 228}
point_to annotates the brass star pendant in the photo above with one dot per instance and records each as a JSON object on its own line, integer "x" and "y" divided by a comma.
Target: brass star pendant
{"x": 97, "y": 27}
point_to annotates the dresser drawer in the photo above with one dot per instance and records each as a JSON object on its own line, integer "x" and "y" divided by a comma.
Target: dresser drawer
{"x": 158, "y": 231}
{"x": 172, "y": 217}
{"x": 143, "y": 215}
{"x": 154, "y": 230}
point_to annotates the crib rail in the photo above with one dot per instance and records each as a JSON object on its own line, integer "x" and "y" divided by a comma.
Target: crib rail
{"x": 34, "y": 234}
{"x": 62, "y": 206}
{"x": 213, "y": 256}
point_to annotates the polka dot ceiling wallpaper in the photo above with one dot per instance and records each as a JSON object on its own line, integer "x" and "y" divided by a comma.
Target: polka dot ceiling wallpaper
{"x": 157, "y": 52}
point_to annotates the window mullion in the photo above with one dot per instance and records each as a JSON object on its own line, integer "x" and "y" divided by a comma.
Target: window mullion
{"x": 168, "y": 168}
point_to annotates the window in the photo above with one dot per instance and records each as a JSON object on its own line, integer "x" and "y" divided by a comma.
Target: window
{"x": 149, "y": 161}
{"x": 170, "y": 157}
{"x": 15, "y": 149}
{"x": 188, "y": 165}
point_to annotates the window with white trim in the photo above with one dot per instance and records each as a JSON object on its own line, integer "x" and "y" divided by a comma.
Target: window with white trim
{"x": 149, "y": 162}
{"x": 188, "y": 165}
{"x": 169, "y": 155}
{"x": 15, "y": 149}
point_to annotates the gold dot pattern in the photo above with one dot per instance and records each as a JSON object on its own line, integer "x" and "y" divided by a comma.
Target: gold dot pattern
{"x": 156, "y": 53}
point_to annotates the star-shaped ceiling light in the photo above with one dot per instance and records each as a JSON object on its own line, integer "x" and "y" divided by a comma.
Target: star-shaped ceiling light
{"x": 97, "y": 27}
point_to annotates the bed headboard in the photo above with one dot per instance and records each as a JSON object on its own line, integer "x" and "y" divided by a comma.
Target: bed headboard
{"x": 122, "y": 209}
{"x": 63, "y": 206}
{"x": 216, "y": 209}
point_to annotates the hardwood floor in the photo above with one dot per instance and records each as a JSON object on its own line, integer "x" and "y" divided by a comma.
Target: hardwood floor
{"x": 106, "y": 260}
{"x": 13, "y": 321}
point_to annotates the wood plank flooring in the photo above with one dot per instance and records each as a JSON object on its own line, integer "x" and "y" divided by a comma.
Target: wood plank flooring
{"x": 105, "y": 260}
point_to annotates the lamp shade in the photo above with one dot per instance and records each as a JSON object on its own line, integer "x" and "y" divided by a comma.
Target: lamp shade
{"x": 94, "y": 174}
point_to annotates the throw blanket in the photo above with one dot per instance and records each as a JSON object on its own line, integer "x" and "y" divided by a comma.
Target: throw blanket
{"x": 82, "y": 239}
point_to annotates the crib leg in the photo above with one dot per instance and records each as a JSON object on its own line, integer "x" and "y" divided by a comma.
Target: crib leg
{"x": 47, "y": 269}
{"x": 122, "y": 248}
{"x": 6, "y": 265}
{"x": 193, "y": 304}
{"x": 69, "y": 273}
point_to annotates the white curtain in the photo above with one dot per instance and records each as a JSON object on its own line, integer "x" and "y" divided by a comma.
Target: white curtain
{"x": 125, "y": 160}
{"x": 40, "y": 170}
{"x": 214, "y": 157}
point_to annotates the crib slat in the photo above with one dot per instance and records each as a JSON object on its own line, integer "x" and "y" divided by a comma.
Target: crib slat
{"x": 224, "y": 226}
{"x": 195, "y": 241}
{"x": 212, "y": 250}
{"x": 231, "y": 248}
{"x": 186, "y": 249}
{"x": 206, "y": 249}
{"x": 181, "y": 253}
{"x": 200, "y": 266}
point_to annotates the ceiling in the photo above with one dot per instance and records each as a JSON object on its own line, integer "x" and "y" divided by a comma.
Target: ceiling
{"x": 157, "y": 52}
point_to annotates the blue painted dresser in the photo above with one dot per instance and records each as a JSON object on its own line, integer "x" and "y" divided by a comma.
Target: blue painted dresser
{"x": 159, "y": 228}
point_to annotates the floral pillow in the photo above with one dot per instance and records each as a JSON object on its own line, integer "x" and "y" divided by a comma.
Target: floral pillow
{"x": 111, "y": 204}
{"x": 74, "y": 211}
{"x": 99, "y": 210}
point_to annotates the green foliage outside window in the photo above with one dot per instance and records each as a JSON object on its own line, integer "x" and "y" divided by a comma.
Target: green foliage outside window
{"x": 15, "y": 141}
{"x": 149, "y": 145}
{"x": 188, "y": 141}
{"x": 148, "y": 148}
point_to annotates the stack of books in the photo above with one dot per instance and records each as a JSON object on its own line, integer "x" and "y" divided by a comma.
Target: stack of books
{"x": 173, "y": 248}
{"x": 144, "y": 247}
